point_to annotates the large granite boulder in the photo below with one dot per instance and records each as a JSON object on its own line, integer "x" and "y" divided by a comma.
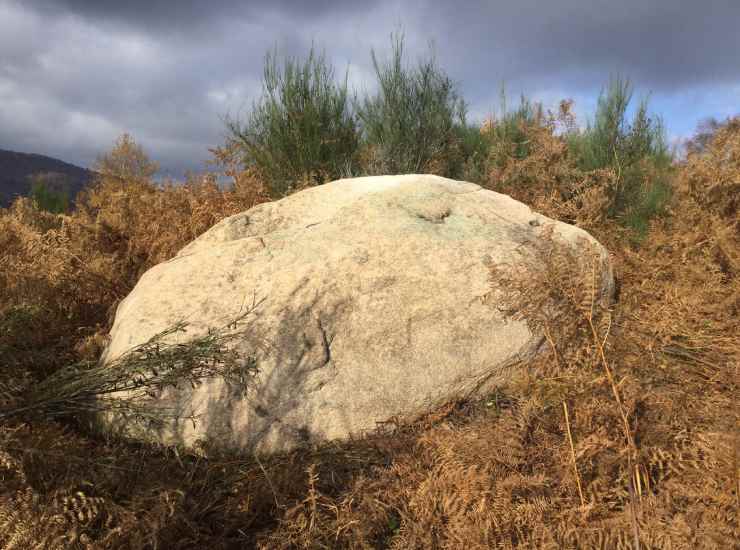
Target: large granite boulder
{"x": 372, "y": 308}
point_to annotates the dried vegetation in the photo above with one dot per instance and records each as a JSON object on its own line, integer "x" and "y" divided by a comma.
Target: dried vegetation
{"x": 624, "y": 433}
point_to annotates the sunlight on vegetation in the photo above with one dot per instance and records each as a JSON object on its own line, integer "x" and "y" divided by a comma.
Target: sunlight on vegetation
{"x": 509, "y": 132}
{"x": 631, "y": 150}
{"x": 126, "y": 162}
{"x": 623, "y": 430}
{"x": 409, "y": 126}
{"x": 306, "y": 130}
{"x": 302, "y": 129}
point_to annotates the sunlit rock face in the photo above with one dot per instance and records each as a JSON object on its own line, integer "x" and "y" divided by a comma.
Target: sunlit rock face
{"x": 371, "y": 308}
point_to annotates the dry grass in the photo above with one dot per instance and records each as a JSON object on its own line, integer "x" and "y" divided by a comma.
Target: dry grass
{"x": 63, "y": 276}
{"x": 548, "y": 180}
{"x": 625, "y": 431}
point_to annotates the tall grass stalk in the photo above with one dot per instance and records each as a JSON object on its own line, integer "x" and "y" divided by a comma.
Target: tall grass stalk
{"x": 509, "y": 131}
{"x": 138, "y": 377}
{"x": 410, "y": 124}
{"x": 633, "y": 150}
{"x": 471, "y": 163}
{"x": 302, "y": 129}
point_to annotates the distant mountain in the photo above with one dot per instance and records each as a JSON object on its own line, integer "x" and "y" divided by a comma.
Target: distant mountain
{"x": 16, "y": 170}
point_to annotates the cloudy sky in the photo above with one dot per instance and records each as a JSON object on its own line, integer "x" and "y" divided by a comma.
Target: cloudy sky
{"x": 75, "y": 74}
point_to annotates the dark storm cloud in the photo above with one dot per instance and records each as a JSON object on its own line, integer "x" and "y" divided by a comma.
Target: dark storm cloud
{"x": 660, "y": 43}
{"x": 190, "y": 14}
{"x": 74, "y": 74}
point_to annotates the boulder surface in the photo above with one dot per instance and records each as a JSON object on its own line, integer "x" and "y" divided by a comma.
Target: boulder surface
{"x": 372, "y": 308}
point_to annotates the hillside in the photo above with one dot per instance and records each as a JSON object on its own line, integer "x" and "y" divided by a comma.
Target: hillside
{"x": 15, "y": 169}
